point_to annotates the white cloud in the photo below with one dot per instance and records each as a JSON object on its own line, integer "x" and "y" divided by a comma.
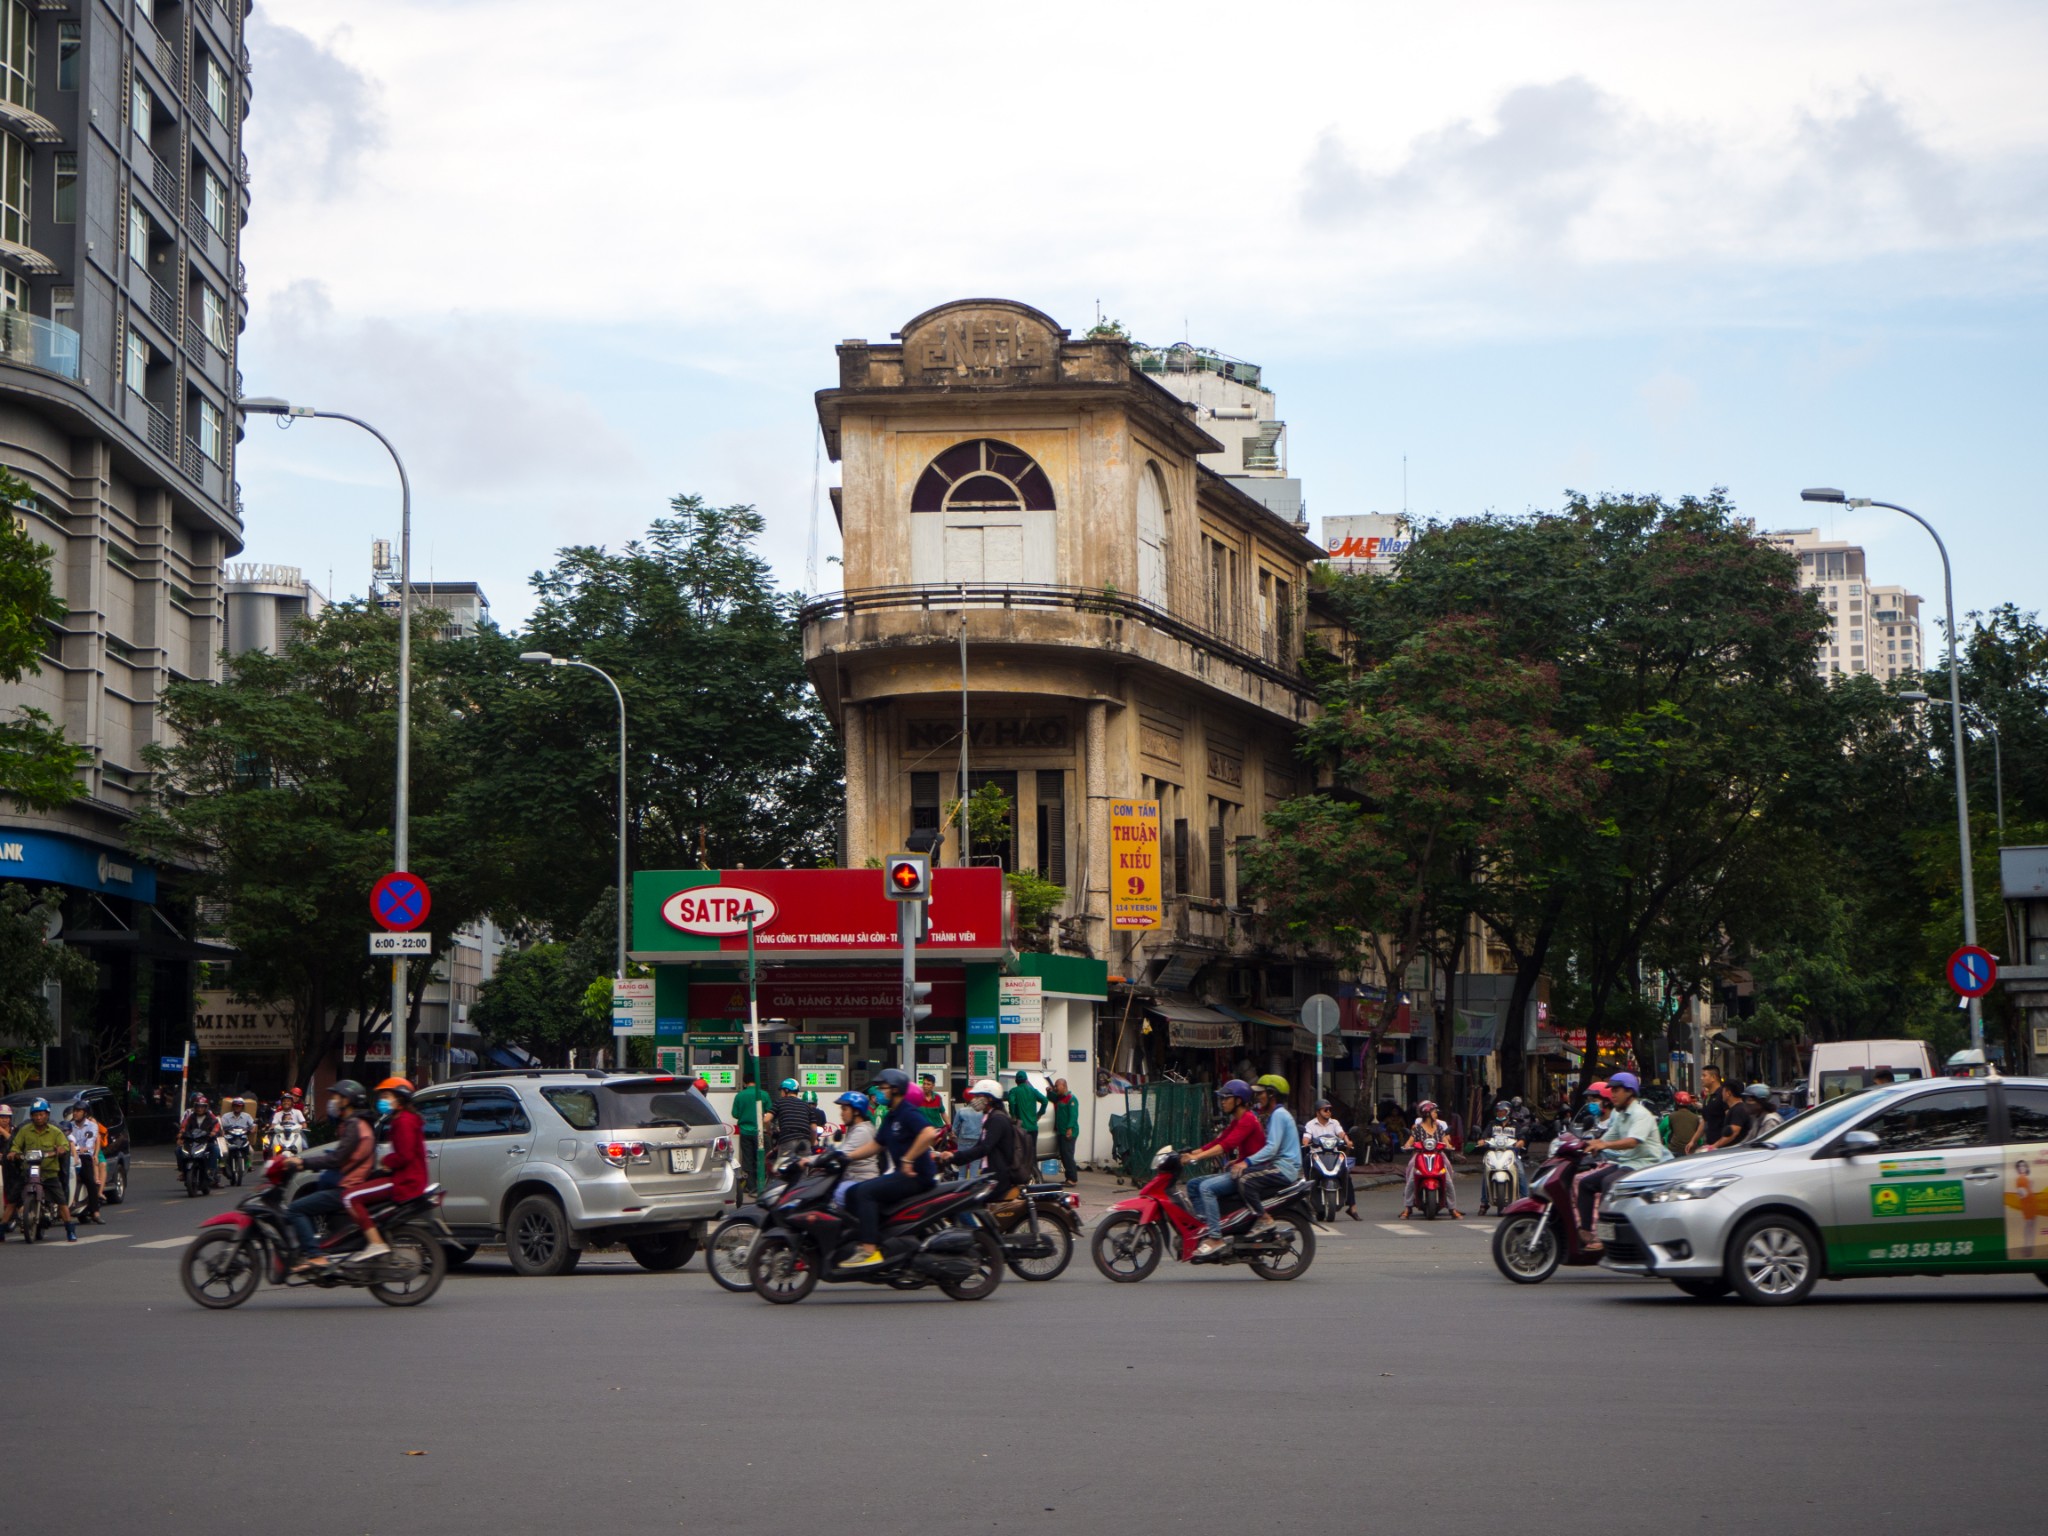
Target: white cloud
{"x": 315, "y": 116}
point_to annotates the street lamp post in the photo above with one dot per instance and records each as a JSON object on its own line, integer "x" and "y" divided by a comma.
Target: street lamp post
{"x": 1955, "y": 712}
{"x": 270, "y": 405}
{"x": 542, "y": 658}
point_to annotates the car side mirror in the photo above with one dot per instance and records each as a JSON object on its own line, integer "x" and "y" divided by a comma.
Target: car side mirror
{"x": 1857, "y": 1141}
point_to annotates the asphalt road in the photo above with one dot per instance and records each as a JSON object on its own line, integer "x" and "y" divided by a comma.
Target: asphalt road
{"x": 1400, "y": 1384}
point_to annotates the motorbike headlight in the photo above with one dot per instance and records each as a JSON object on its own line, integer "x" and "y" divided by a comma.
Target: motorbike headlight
{"x": 1691, "y": 1189}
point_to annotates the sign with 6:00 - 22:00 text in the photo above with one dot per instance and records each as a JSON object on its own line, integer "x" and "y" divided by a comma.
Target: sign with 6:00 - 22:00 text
{"x": 1134, "y": 864}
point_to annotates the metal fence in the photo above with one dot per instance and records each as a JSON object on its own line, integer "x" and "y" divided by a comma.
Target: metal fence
{"x": 1159, "y": 1115}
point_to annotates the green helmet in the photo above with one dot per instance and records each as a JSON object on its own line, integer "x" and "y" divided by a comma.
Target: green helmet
{"x": 1274, "y": 1084}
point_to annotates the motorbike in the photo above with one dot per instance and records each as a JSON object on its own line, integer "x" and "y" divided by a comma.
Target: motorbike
{"x": 288, "y": 1139}
{"x": 1326, "y": 1171}
{"x": 192, "y": 1152}
{"x": 236, "y": 1251}
{"x": 731, "y": 1242}
{"x": 1501, "y": 1171}
{"x": 236, "y": 1163}
{"x": 1540, "y": 1232}
{"x": 925, "y": 1241}
{"x": 1432, "y": 1178}
{"x": 1133, "y": 1237}
{"x": 1037, "y": 1231}
{"x": 39, "y": 1199}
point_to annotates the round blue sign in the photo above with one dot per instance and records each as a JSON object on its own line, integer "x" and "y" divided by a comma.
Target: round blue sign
{"x": 1971, "y": 971}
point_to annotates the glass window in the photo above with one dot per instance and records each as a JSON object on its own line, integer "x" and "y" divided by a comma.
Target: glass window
{"x": 65, "y": 208}
{"x": 70, "y": 49}
{"x": 18, "y": 54}
{"x": 138, "y": 362}
{"x": 433, "y": 1110}
{"x": 578, "y": 1106}
{"x": 2026, "y": 1114}
{"x": 209, "y": 429}
{"x": 63, "y": 304}
{"x": 982, "y": 475}
{"x": 138, "y": 236}
{"x": 14, "y": 188}
{"x": 216, "y": 82}
{"x": 13, "y": 290}
{"x": 1052, "y": 825}
{"x": 213, "y": 315}
{"x": 651, "y": 1103}
{"x": 213, "y": 200}
{"x": 1932, "y": 1122}
{"x": 491, "y": 1112}
{"x": 139, "y": 109}
{"x": 924, "y": 801}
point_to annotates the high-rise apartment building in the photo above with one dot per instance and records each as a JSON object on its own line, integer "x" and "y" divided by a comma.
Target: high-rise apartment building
{"x": 123, "y": 189}
{"x": 1874, "y": 630}
{"x": 1233, "y": 405}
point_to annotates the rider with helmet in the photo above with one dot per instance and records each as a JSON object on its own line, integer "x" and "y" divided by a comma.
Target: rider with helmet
{"x": 1628, "y": 1141}
{"x": 796, "y": 1121}
{"x": 1278, "y": 1163}
{"x": 1242, "y": 1137}
{"x": 907, "y": 1137}
{"x": 1324, "y": 1128}
{"x": 1429, "y": 1131}
{"x": 404, "y": 1173}
{"x": 41, "y": 1140}
{"x": 201, "y": 1122}
{"x": 345, "y": 1165}
{"x": 10, "y": 1172}
{"x": 1001, "y": 1142}
{"x": 857, "y": 1143}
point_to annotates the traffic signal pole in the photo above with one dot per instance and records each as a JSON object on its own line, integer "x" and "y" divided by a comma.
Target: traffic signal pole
{"x": 907, "y": 924}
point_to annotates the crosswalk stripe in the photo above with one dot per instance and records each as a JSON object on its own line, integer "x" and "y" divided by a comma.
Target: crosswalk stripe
{"x": 166, "y": 1242}
{"x": 1399, "y": 1229}
{"x": 96, "y": 1237}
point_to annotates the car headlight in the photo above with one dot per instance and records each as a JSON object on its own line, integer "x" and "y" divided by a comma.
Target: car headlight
{"x": 1691, "y": 1189}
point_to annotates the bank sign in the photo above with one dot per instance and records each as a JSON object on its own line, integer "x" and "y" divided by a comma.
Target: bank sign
{"x": 702, "y": 914}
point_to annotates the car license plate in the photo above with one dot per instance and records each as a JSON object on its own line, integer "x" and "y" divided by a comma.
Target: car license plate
{"x": 1609, "y": 1231}
{"x": 682, "y": 1159}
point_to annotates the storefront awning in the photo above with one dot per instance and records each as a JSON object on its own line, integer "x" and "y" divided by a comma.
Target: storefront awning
{"x": 1260, "y": 1016}
{"x": 1197, "y": 1027}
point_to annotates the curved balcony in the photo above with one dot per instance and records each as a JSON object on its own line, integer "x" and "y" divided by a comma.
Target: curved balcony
{"x": 1049, "y": 619}
{"x": 34, "y": 342}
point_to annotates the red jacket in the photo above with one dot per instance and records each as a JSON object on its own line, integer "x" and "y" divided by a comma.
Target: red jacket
{"x": 406, "y": 1162}
{"x": 1244, "y": 1136}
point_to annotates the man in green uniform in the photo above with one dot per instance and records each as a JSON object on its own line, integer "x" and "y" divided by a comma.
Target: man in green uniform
{"x": 1066, "y": 1127}
{"x": 1026, "y": 1104}
{"x": 749, "y": 1107}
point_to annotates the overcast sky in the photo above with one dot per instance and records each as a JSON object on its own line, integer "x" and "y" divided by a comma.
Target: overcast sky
{"x": 575, "y": 263}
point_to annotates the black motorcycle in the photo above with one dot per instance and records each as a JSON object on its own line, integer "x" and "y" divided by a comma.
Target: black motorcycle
{"x": 927, "y": 1240}
{"x": 731, "y": 1242}
{"x": 238, "y": 1250}
{"x": 237, "y": 1162}
{"x": 192, "y": 1168}
{"x": 1037, "y": 1231}
{"x": 39, "y": 1198}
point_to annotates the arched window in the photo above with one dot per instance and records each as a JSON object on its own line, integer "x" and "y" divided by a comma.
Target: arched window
{"x": 983, "y": 515}
{"x": 1154, "y": 535}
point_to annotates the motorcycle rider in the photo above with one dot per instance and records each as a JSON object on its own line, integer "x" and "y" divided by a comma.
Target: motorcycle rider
{"x": 200, "y": 1121}
{"x": 1278, "y": 1163}
{"x": 907, "y": 1137}
{"x": 796, "y": 1121}
{"x": 84, "y": 1133}
{"x": 10, "y": 1173}
{"x": 1324, "y": 1128}
{"x": 344, "y": 1165}
{"x": 1627, "y": 1141}
{"x": 1428, "y": 1128}
{"x": 1504, "y": 1120}
{"x": 41, "y": 1140}
{"x": 1000, "y": 1143}
{"x": 403, "y": 1175}
{"x": 238, "y": 1119}
{"x": 857, "y": 1144}
{"x": 1241, "y": 1137}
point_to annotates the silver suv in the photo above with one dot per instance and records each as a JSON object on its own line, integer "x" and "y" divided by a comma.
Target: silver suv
{"x": 550, "y": 1162}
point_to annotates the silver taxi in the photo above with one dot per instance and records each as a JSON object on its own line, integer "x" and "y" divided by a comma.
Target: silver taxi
{"x": 1938, "y": 1177}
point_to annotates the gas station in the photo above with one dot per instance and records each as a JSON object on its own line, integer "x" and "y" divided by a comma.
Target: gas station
{"x": 826, "y": 1000}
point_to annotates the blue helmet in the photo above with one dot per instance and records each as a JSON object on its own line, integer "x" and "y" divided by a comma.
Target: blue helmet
{"x": 1626, "y": 1080}
{"x": 857, "y": 1102}
{"x": 1237, "y": 1088}
{"x": 40, "y": 1107}
{"x": 789, "y": 1085}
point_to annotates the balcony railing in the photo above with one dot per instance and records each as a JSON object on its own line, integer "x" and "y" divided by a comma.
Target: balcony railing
{"x": 166, "y": 56}
{"x": 161, "y": 437}
{"x": 163, "y": 181}
{"x": 194, "y": 462}
{"x": 34, "y": 342}
{"x": 163, "y": 307}
{"x": 1108, "y": 603}
{"x": 195, "y": 341}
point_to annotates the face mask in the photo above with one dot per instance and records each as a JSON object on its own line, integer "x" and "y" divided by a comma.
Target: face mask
{"x": 335, "y": 1108}
{"x": 386, "y": 1106}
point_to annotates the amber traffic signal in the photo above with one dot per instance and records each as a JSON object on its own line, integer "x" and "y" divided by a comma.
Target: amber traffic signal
{"x": 908, "y": 876}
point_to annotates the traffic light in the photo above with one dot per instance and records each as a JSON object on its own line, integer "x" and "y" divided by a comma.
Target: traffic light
{"x": 908, "y": 876}
{"x": 920, "y": 1001}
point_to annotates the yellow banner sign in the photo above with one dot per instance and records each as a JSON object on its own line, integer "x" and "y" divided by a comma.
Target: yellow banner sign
{"x": 1134, "y": 864}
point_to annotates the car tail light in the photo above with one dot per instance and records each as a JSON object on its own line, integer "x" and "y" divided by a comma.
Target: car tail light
{"x": 722, "y": 1147}
{"x": 620, "y": 1153}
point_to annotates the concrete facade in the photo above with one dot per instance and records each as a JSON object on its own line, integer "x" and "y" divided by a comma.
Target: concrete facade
{"x": 1873, "y": 629}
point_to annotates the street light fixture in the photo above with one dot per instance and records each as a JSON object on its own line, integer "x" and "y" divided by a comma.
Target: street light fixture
{"x": 271, "y": 405}
{"x": 1831, "y": 496}
{"x": 545, "y": 659}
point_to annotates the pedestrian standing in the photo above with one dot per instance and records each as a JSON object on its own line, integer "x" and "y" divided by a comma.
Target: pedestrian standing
{"x": 1066, "y": 1127}
{"x": 1713, "y": 1112}
{"x": 1026, "y": 1105}
{"x": 1736, "y": 1120}
{"x": 750, "y": 1106}
{"x": 967, "y": 1128}
{"x": 934, "y": 1105}
{"x": 1682, "y": 1125}
{"x": 84, "y": 1132}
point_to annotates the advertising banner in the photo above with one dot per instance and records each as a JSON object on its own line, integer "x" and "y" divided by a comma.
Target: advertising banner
{"x": 1134, "y": 864}
{"x": 1371, "y": 542}
{"x": 703, "y": 914}
{"x": 1020, "y": 1009}
{"x": 633, "y": 1006}
{"x": 828, "y": 992}
{"x": 222, "y": 1024}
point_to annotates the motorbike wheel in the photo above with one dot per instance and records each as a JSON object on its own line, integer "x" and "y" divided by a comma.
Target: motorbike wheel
{"x": 459, "y": 1254}
{"x": 218, "y": 1271}
{"x": 1520, "y": 1255}
{"x": 988, "y": 1270}
{"x": 779, "y": 1272}
{"x": 430, "y": 1268}
{"x": 235, "y": 1171}
{"x": 1293, "y": 1263}
{"x": 1426, "y": 1203}
{"x": 662, "y": 1253}
{"x": 30, "y": 1219}
{"x": 725, "y": 1256}
{"x": 1126, "y": 1250}
{"x": 1050, "y": 1268}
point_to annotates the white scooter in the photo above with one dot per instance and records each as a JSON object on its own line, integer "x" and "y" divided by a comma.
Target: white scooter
{"x": 1500, "y": 1178}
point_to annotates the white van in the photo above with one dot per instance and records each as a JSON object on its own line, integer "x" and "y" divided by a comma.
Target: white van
{"x": 1844, "y": 1066}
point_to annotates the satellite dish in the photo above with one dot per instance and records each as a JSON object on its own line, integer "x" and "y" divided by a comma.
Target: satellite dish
{"x": 53, "y": 924}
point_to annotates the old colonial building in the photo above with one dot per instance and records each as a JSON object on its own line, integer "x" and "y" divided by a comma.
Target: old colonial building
{"x": 1026, "y": 516}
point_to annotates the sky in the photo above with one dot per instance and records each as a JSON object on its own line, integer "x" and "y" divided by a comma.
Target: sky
{"x": 1486, "y": 253}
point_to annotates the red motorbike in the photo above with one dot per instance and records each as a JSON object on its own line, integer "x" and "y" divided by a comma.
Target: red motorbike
{"x": 1540, "y": 1232}
{"x": 1133, "y": 1237}
{"x": 1432, "y": 1178}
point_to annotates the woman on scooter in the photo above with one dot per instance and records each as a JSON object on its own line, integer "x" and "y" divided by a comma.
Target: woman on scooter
{"x": 1628, "y": 1140}
{"x": 1428, "y": 1128}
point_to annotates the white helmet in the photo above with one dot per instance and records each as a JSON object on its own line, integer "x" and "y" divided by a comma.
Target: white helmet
{"x": 988, "y": 1086}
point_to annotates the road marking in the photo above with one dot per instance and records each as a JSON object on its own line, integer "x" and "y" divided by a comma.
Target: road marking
{"x": 96, "y": 1237}
{"x": 166, "y": 1242}
{"x": 1399, "y": 1229}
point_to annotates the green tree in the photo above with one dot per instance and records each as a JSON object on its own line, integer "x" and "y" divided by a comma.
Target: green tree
{"x": 30, "y": 960}
{"x": 277, "y": 787}
{"x": 555, "y": 997}
{"x": 38, "y": 767}
{"x": 729, "y": 755}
